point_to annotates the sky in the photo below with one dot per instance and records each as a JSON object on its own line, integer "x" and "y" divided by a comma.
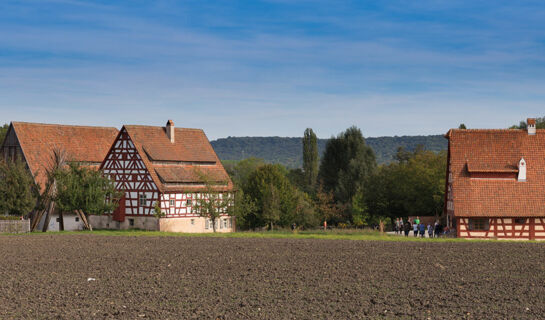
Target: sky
{"x": 276, "y": 67}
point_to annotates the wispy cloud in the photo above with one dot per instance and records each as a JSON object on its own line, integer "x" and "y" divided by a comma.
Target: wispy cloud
{"x": 275, "y": 67}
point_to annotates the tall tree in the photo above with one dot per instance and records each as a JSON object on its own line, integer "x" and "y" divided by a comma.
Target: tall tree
{"x": 346, "y": 166}
{"x": 18, "y": 193}
{"x": 310, "y": 157}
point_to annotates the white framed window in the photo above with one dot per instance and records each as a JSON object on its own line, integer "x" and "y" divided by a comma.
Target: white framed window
{"x": 189, "y": 203}
{"x": 142, "y": 199}
{"x": 225, "y": 223}
{"x": 192, "y": 222}
{"x": 172, "y": 202}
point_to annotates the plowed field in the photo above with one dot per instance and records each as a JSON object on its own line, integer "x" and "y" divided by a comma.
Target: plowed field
{"x": 88, "y": 276}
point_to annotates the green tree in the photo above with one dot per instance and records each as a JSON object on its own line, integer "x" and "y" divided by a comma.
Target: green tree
{"x": 310, "y": 157}
{"x": 3, "y": 132}
{"x": 242, "y": 170}
{"x": 214, "y": 201}
{"x": 18, "y": 193}
{"x": 462, "y": 126}
{"x": 242, "y": 208}
{"x": 407, "y": 188}
{"x": 271, "y": 206}
{"x": 258, "y": 188}
{"x": 85, "y": 189}
{"x": 346, "y": 166}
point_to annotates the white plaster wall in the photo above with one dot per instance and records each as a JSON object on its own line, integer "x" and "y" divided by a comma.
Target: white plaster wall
{"x": 194, "y": 225}
{"x": 106, "y": 222}
{"x": 70, "y": 223}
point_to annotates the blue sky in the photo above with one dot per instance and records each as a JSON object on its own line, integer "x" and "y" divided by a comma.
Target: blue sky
{"x": 274, "y": 68}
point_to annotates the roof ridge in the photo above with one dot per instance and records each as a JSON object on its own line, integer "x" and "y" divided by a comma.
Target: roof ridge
{"x": 61, "y": 125}
{"x": 161, "y": 127}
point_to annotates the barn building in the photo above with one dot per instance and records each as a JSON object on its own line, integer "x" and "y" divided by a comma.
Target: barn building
{"x": 34, "y": 143}
{"x": 495, "y": 184}
{"x": 163, "y": 164}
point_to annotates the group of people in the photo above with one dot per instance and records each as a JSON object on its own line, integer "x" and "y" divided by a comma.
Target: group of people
{"x": 418, "y": 228}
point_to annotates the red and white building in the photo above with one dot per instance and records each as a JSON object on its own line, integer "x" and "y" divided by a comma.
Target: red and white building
{"x": 163, "y": 165}
{"x": 495, "y": 184}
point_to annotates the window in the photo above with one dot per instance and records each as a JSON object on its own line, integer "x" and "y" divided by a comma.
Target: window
{"x": 225, "y": 223}
{"x": 142, "y": 199}
{"x": 171, "y": 203}
{"x": 192, "y": 222}
{"x": 189, "y": 203}
{"x": 480, "y": 224}
{"x": 131, "y": 222}
{"x": 520, "y": 220}
{"x": 58, "y": 219}
{"x": 77, "y": 219}
{"x": 207, "y": 224}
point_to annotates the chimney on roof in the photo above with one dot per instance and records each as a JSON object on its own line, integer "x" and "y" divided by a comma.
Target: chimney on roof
{"x": 170, "y": 130}
{"x": 522, "y": 170}
{"x": 531, "y": 126}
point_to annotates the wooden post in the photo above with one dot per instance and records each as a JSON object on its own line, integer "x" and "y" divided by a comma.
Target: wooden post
{"x": 36, "y": 219}
{"x": 61, "y": 221}
{"x": 48, "y": 216}
{"x": 84, "y": 218}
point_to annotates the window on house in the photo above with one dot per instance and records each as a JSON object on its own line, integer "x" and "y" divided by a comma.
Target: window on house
{"x": 225, "y": 223}
{"x": 189, "y": 203}
{"x": 520, "y": 220}
{"x": 192, "y": 221}
{"x": 480, "y": 224}
{"x": 172, "y": 203}
{"x": 131, "y": 222}
{"x": 207, "y": 224}
{"x": 142, "y": 199}
{"x": 77, "y": 219}
{"x": 58, "y": 219}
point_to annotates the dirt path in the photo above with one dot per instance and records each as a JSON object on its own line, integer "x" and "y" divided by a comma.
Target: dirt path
{"x": 85, "y": 276}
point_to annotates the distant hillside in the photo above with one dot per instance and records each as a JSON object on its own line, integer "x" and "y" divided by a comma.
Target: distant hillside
{"x": 288, "y": 151}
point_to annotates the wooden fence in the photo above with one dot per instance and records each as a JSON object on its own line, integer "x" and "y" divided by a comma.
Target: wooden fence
{"x": 14, "y": 226}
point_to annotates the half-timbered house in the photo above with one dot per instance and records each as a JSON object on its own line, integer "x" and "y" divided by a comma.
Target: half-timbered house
{"x": 34, "y": 143}
{"x": 495, "y": 184}
{"x": 168, "y": 166}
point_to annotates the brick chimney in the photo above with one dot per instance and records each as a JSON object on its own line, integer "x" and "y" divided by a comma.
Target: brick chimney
{"x": 170, "y": 130}
{"x": 531, "y": 126}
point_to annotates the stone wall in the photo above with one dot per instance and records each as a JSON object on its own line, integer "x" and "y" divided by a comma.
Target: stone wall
{"x": 14, "y": 226}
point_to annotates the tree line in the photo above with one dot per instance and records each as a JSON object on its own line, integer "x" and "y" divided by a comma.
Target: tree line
{"x": 345, "y": 187}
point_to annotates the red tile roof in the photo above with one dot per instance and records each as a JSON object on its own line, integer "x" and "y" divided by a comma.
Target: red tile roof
{"x": 174, "y": 166}
{"x": 81, "y": 143}
{"x": 497, "y": 151}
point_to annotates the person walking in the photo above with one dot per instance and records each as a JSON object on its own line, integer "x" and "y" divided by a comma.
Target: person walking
{"x": 407, "y": 228}
{"x": 422, "y": 228}
{"x": 430, "y": 231}
{"x": 415, "y": 229}
{"x": 436, "y": 229}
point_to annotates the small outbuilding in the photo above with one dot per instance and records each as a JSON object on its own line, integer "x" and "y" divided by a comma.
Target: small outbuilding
{"x": 34, "y": 143}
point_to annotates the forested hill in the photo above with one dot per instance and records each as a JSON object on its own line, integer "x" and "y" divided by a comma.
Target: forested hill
{"x": 288, "y": 151}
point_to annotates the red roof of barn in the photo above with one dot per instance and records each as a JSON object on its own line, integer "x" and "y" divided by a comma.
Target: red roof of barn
{"x": 175, "y": 167}
{"x": 497, "y": 152}
{"x": 82, "y": 144}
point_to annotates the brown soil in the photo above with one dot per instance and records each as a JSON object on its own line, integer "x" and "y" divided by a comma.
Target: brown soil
{"x": 46, "y": 276}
